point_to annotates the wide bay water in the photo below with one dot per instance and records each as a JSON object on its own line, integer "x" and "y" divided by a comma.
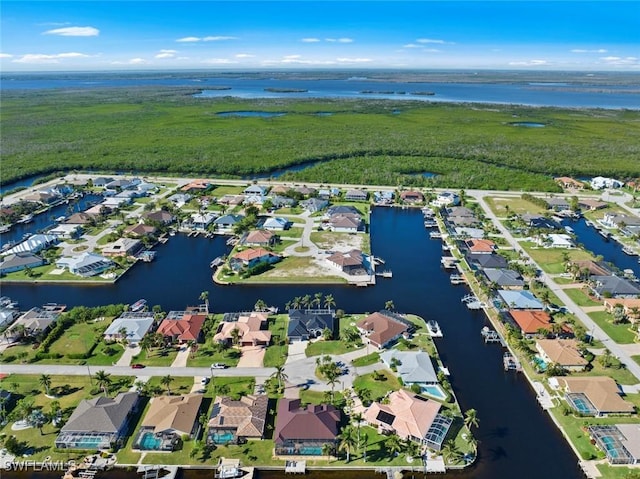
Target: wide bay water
{"x": 573, "y": 95}
{"x": 517, "y": 439}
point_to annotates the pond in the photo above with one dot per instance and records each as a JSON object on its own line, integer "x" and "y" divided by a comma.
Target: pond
{"x": 528, "y": 124}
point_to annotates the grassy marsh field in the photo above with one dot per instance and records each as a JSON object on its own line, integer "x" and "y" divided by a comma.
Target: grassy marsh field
{"x": 167, "y": 130}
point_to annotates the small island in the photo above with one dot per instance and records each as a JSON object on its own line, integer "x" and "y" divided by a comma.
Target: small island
{"x": 286, "y": 90}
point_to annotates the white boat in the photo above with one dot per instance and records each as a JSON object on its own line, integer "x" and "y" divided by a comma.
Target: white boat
{"x": 25, "y": 219}
{"x": 60, "y": 219}
{"x": 138, "y": 305}
{"x": 4, "y": 228}
{"x": 629, "y": 251}
{"x": 435, "y": 235}
{"x": 434, "y": 329}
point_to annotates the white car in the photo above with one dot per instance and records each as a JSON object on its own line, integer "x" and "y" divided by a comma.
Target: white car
{"x": 218, "y": 366}
{"x": 204, "y": 381}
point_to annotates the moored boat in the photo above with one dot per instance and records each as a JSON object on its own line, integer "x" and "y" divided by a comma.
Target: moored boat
{"x": 138, "y": 305}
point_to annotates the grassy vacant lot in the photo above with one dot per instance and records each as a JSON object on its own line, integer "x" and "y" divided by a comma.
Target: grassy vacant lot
{"x": 156, "y": 356}
{"x": 276, "y": 354}
{"x": 550, "y": 259}
{"x": 232, "y": 386}
{"x": 620, "y": 333}
{"x": 168, "y": 130}
{"x": 581, "y": 298}
{"x": 178, "y": 385}
{"x": 515, "y": 205}
{"x": 378, "y": 388}
{"x": 366, "y": 360}
{"x": 327, "y": 240}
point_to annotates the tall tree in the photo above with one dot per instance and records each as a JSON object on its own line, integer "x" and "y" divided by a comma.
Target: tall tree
{"x": 389, "y": 306}
{"x": 471, "y": 418}
{"x": 329, "y": 301}
{"x": 103, "y": 380}
{"x": 347, "y": 440}
{"x": 166, "y": 381}
{"x": 45, "y": 382}
{"x": 280, "y": 376}
{"x": 204, "y": 296}
{"x": 393, "y": 444}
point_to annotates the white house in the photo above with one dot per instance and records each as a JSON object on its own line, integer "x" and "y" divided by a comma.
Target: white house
{"x": 276, "y": 224}
{"x": 85, "y": 264}
{"x": 446, "y": 199}
{"x": 201, "y": 221}
{"x": 600, "y": 182}
{"x": 33, "y": 244}
{"x": 556, "y": 241}
{"x": 256, "y": 190}
{"x": 135, "y": 324}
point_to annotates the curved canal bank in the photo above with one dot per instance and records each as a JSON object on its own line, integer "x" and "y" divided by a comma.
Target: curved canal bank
{"x": 516, "y": 438}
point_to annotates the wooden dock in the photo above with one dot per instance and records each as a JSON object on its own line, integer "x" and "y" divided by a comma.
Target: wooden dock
{"x": 295, "y": 467}
{"x": 511, "y": 363}
{"x": 457, "y": 279}
{"x": 491, "y": 336}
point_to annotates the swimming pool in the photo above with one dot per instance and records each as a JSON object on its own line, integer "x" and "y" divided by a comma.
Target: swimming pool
{"x": 610, "y": 444}
{"x": 540, "y": 363}
{"x": 89, "y": 442}
{"x": 222, "y": 437}
{"x": 149, "y": 442}
{"x": 435, "y": 391}
{"x": 310, "y": 451}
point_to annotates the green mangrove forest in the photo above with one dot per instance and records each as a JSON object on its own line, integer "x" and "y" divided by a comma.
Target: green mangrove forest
{"x": 172, "y": 132}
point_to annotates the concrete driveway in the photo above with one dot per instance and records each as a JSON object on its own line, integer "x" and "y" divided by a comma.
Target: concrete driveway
{"x": 252, "y": 356}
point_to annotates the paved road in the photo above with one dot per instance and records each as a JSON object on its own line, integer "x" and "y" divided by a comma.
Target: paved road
{"x": 591, "y": 326}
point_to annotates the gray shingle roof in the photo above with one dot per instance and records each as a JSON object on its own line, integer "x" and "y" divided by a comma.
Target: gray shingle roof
{"x": 101, "y": 414}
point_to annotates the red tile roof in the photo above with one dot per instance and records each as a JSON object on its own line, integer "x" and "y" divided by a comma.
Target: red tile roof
{"x": 530, "y": 321}
{"x": 382, "y": 328}
{"x": 250, "y": 254}
{"x": 480, "y": 245}
{"x": 186, "y": 329}
{"x": 312, "y": 423}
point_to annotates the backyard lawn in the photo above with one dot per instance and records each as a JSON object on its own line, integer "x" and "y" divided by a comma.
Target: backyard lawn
{"x": 620, "y": 333}
{"x": 156, "y": 356}
{"x": 378, "y": 388}
{"x": 579, "y": 297}
{"x": 276, "y": 353}
{"x": 550, "y": 259}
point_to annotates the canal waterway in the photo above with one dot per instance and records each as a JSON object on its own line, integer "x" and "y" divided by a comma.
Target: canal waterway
{"x": 610, "y": 250}
{"x": 517, "y": 439}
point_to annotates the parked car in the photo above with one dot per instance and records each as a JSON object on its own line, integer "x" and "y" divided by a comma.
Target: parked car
{"x": 137, "y": 366}
{"x": 218, "y": 366}
{"x": 204, "y": 381}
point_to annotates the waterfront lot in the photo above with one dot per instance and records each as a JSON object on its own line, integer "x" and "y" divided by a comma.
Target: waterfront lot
{"x": 551, "y": 259}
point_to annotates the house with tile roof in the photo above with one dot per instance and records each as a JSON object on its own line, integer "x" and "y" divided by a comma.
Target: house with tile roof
{"x": 123, "y": 247}
{"x": 305, "y": 324}
{"x": 251, "y": 257}
{"x": 251, "y": 329}
{"x": 383, "y": 328}
{"x": 81, "y": 218}
{"x": 356, "y": 195}
{"x": 594, "y": 395}
{"x": 630, "y": 307}
{"x": 139, "y": 230}
{"x": 413, "y": 367}
{"x": 411, "y": 197}
{"x": 346, "y": 223}
{"x": 531, "y": 321}
{"x": 480, "y": 246}
{"x": 351, "y": 262}
{"x": 411, "y": 417}
{"x": 569, "y": 183}
{"x": 304, "y": 431}
{"x": 160, "y": 216}
{"x": 34, "y": 322}
{"x": 233, "y": 421}
{"x": 85, "y": 264}
{"x": 98, "y": 423}
{"x": 260, "y": 238}
{"x": 563, "y": 352}
{"x": 182, "y": 330}
{"x": 167, "y": 420}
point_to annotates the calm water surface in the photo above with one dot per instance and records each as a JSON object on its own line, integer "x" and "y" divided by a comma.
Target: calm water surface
{"x": 513, "y": 429}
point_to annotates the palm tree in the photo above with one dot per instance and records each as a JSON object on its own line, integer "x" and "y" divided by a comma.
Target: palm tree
{"x": 393, "y": 444}
{"x": 450, "y": 451}
{"x": 166, "y": 381}
{"x": 103, "y": 380}
{"x": 235, "y": 336}
{"x": 329, "y": 301}
{"x": 389, "y": 306}
{"x": 317, "y": 299}
{"x": 327, "y": 450}
{"x": 54, "y": 410}
{"x": 473, "y": 444}
{"x": 280, "y": 376}
{"x": 296, "y": 302}
{"x": 204, "y": 296}
{"x": 260, "y": 305}
{"x": 306, "y": 301}
{"x": 471, "y": 418}
{"x": 45, "y": 382}
{"x": 347, "y": 440}
{"x": 332, "y": 381}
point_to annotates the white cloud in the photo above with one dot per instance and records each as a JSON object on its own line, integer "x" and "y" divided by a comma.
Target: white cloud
{"x": 6, "y": 55}
{"x": 581, "y": 50}
{"x": 244, "y": 55}
{"x": 298, "y": 60}
{"x": 431, "y": 50}
{"x": 188, "y": 39}
{"x": 166, "y": 54}
{"x": 310, "y": 40}
{"x": 354, "y": 60}
{"x": 620, "y": 61}
{"x": 137, "y": 61}
{"x": 218, "y": 61}
{"x": 433, "y": 40}
{"x": 339, "y": 40}
{"x": 74, "y": 32}
{"x": 218, "y": 38}
{"x": 411, "y": 45}
{"x": 42, "y": 58}
{"x": 529, "y": 63}
{"x": 292, "y": 57}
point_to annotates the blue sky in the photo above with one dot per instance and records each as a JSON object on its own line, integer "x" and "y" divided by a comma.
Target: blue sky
{"x": 240, "y": 35}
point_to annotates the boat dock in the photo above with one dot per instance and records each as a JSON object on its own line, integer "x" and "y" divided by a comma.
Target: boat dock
{"x": 457, "y": 279}
{"x": 472, "y": 302}
{"x": 510, "y": 362}
{"x": 216, "y": 262}
{"x": 449, "y": 262}
{"x": 491, "y": 336}
{"x": 387, "y": 273}
{"x": 154, "y": 472}
{"x": 295, "y": 467}
{"x": 435, "y": 235}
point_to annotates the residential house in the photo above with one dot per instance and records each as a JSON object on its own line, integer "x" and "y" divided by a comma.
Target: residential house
{"x": 144, "y": 188}
{"x": 539, "y": 221}
{"x": 276, "y": 224}
{"x": 255, "y": 200}
{"x": 305, "y": 324}
{"x": 569, "y": 183}
{"x": 168, "y": 419}
{"x": 251, "y": 330}
{"x": 620, "y": 442}
{"x": 280, "y": 190}
{"x": 123, "y": 247}
{"x": 184, "y": 329}
{"x": 235, "y": 421}
{"x": 41, "y": 197}
{"x": 342, "y": 210}
{"x": 227, "y": 222}
{"x": 160, "y": 216}
{"x": 558, "y": 203}
{"x": 353, "y": 262}
{"x": 33, "y": 244}
{"x": 630, "y": 307}
{"x": 593, "y": 268}
{"x": 519, "y": 300}
{"x": 531, "y": 322}
{"x": 19, "y": 261}
{"x": 7, "y": 316}
{"x": 480, "y": 246}
{"x": 383, "y": 328}
{"x": 101, "y": 181}
{"x": 256, "y": 190}
{"x": 65, "y": 231}
{"x": 85, "y": 264}
{"x": 196, "y": 186}
{"x": 346, "y": 223}
{"x": 260, "y": 238}
{"x": 563, "y": 352}
{"x": 600, "y": 182}
{"x": 446, "y": 198}
{"x": 201, "y": 221}
{"x": 129, "y": 195}
{"x": 461, "y": 216}
{"x": 140, "y": 230}
{"x": 480, "y": 261}
{"x": 411, "y": 417}
{"x": 464, "y": 232}
{"x": 613, "y": 287}
{"x": 591, "y": 205}
{"x": 413, "y": 367}
{"x": 81, "y": 218}
{"x": 327, "y": 193}
{"x": 98, "y": 423}
{"x": 305, "y": 191}
{"x": 231, "y": 200}
{"x": 180, "y": 199}
{"x": 133, "y": 325}
{"x": 383, "y": 197}
{"x": 282, "y": 201}
{"x": 313, "y": 205}
{"x": 563, "y": 241}
{"x": 504, "y": 278}
{"x": 619, "y": 221}
{"x": 356, "y": 195}
{"x": 34, "y": 322}
{"x": 251, "y": 257}
{"x": 304, "y": 431}
{"x": 594, "y": 395}
{"x": 119, "y": 185}
{"x": 411, "y": 197}
{"x": 112, "y": 202}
